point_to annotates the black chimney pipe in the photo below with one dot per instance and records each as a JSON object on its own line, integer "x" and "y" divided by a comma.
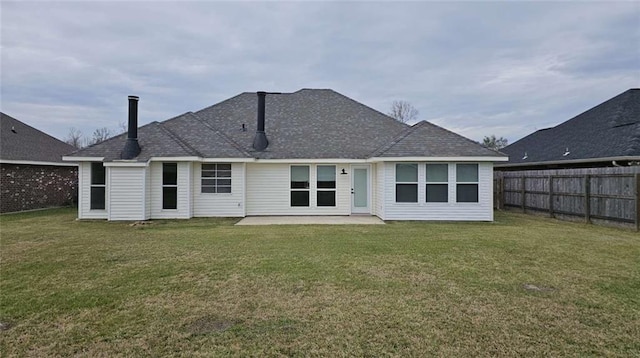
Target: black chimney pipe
{"x": 131, "y": 147}
{"x": 260, "y": 141}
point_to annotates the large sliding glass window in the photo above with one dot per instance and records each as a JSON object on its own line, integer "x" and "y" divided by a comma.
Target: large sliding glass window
{"x": 467, "y": 183}
{"x": 216, "y": 178}
{"x": 169, "y": 185}
{"x": 437, "y": 183}
{"x": 98, "y": 186}
{"x": 407, "y": 182}
{"x": 299, "y": 185}
{"x": 326, "y": 185}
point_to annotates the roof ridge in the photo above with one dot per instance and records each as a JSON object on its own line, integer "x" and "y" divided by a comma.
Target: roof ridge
{"x": 634, "y": 145}
{"x": 108, "y": 139}
{"x": 395, "y": 140}
{"x": 223, "y": 101}
{"x": 220, "y": 133}
{"x": 465, "y": 138}
{"x": 388, "y": 117}
{"x": 618, "y": 120}
{"x": 610, "y": 121}
{"x": 179, "y": 140}
{"x": 111, "y": 138}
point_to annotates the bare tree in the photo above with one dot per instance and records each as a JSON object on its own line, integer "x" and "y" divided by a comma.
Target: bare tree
{"x": 495, "y": 143}
{"x": 122, "y": 128}
{"x": 403, "y": 111}
{"x": 74, "y": 138}
{"x": 100, "y": 135}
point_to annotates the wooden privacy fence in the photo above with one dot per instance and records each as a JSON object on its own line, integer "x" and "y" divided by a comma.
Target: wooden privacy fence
{"x": 595, "y": 195}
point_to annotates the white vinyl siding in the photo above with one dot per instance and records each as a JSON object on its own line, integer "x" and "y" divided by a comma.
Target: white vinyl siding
{"x": 480, "y": 211}
{"x": 219, "y": 204}
{"x": 126, "y": 193}
{"x": 268, "y": 191}
{"x": 147, "y": 193}
{"x": 84, "y": 194}
{"x": 183, "y": 210}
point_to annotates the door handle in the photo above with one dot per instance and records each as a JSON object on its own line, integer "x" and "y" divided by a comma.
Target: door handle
{"x": 351, "y": 190}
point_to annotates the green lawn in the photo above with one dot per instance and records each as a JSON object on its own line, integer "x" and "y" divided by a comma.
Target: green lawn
{"x": 521, "y": 286}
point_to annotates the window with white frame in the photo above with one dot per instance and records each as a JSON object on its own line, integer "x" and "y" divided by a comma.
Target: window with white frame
{"x": 169, "y": 185}
{"x": 326, "y": 185}
{"x": 216, "y": 178}
{"x": 98, "y": 186}
{"x": 467, "y": 183}
{"x": 406, "y": 182}
{"x": 299, "y": 185}
{"x": 437, "y": 187}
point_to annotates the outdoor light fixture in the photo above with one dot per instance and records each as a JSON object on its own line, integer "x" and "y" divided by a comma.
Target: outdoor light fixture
{"x": 343, "y": 172}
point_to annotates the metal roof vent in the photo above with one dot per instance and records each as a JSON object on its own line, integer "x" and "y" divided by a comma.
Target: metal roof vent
{"x": 566, "y": 152}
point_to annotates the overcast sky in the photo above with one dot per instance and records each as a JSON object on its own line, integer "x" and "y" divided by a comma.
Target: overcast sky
{"x": 476, "y": 68}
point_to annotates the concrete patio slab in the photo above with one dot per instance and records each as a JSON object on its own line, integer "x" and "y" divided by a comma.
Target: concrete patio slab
{"x": 311, "y": 220}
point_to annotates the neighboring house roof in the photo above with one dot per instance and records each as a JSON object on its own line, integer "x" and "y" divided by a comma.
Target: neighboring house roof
{"x": 20, "y": 142}
{"x": 608, "y": 130}
{"x": 307, "y": 124}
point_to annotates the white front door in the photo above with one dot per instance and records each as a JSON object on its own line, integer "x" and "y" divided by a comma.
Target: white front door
{"x": 360, "y": 190}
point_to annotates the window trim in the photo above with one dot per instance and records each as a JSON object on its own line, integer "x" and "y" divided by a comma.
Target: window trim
{"x": 91, "y": 186}
{"x": 476, "y": 183}
{"x": 308, "y": 190}
{"x": 416, "y": 183}
{"x": 169, "y": 186}
{"x": 202, "y": 170}
{"x": 427, "y": 183}
{"x": 334, "y": 189}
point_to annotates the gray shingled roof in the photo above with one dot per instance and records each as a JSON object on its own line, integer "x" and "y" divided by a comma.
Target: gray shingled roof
{"x": 307, "y": 124}
{"x": 426, "y": 139}
{"x": 21, "y": 142}
{"x": 611, "y": 129}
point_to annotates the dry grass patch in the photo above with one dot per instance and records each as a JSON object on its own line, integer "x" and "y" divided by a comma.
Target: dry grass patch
{"x": 522, "y": 286}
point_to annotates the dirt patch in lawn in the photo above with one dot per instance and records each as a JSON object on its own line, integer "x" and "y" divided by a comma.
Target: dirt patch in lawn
{"x": 534, "y": 288}
{"x": 208, "y": 324}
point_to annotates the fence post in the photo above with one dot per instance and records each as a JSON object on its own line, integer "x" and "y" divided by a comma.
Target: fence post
{"x": 502, "y": 199}
{"x": 637, "y": 179}
{"x": 587, "y": 198}
{"x": 496, "y": 192}
{"x": 551, "y": 196}
{"x": 523, "y": 193}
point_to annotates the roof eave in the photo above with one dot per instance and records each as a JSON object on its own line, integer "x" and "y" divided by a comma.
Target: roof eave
{"x": 574, "y": 161}
{"x": 36, "y": 162}
{"x": 440, "y": 159}
{"x": 82, "y": 159}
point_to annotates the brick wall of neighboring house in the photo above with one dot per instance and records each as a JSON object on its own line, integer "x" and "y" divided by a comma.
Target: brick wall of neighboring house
{"x": 27, "y": 187}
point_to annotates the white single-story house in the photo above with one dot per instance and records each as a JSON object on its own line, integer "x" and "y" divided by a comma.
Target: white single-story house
{"x": 311, "y": 152}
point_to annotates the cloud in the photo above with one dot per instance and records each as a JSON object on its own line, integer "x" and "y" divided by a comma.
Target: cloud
{"x": 476, "y": 68}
